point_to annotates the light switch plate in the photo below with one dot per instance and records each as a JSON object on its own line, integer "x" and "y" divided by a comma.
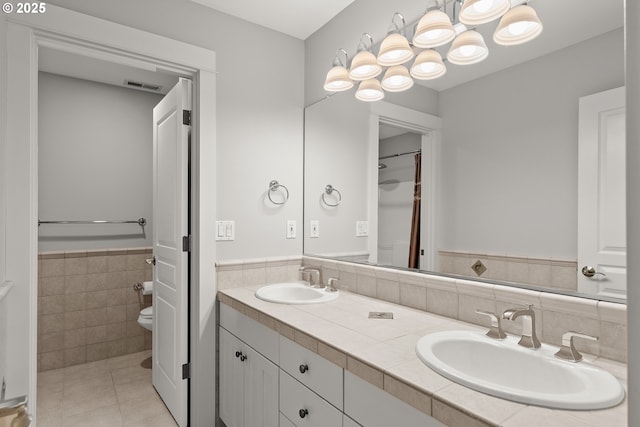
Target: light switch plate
{"x": 291, "y": 229}
{"x": 314, "y": 229}
{"x": 362, "y": 228}
{"x": 225, "y": 230}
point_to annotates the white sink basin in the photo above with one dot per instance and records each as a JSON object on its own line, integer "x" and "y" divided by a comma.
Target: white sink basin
{"x": 295, "y": 293}
{"x": 508, "y": 370}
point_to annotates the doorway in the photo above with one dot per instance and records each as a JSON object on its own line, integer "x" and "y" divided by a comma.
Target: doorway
{"x": 133, "y": 47}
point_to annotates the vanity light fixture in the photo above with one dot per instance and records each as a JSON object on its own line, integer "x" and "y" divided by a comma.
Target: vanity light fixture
{"x": 397, "y": 79}
{"x": 370, "y": 90}
{"x": 338, "y": 78}
{"x": 395, "y": 49}
{"x": 476, "y": 12}
{"x": 428, "y": 65}
{"x": 468, "y": 48}
{"x": 364, "y": 65}
{"x": 436, "y": 28}
{"x": 519, "y": 25}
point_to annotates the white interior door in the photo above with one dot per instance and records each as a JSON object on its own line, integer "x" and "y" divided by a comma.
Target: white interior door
{"x": 602, "y": 253}
{"x": 170, "y": 224}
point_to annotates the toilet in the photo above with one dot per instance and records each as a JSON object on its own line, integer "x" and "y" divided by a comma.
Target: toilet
{"x": 145, "y": 319}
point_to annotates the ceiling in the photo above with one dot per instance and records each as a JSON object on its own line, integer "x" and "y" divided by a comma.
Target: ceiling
{"x": 296, "y": 18}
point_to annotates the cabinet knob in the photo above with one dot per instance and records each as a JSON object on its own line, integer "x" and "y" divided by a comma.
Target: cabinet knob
{"x": 304, "y": 368}
{"x": 243, "y": 357}
{"x": 303, "y": 413}
{"x": 238, "y": 354}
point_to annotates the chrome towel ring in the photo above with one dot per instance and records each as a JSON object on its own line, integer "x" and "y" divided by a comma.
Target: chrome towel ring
{"x": 273, "y": 187}
{"x": 330, "y": 189}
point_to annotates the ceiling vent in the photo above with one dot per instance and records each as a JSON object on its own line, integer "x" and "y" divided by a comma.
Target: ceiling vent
{"x": 143, "y": 86}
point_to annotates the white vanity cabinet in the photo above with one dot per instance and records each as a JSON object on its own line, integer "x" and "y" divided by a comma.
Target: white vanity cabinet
{"x": 266, "y": 380}
{"x": 248, "y": 381}
{"x": 373, "y": 407}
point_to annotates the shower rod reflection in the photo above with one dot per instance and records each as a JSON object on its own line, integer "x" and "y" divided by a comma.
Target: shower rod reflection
{"x": 399, "y": 154}
{"x": 140, "y": 221}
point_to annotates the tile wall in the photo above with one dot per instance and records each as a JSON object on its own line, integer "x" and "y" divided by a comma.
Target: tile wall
{"x": 87, "y": 308}
{"x": 547, "y": 272}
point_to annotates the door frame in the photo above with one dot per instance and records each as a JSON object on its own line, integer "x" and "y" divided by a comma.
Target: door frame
{"x": 430, "y": 127}
{"x": 86, "y": 35}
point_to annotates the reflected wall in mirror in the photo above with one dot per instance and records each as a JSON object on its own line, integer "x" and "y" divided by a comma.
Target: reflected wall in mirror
{"x": 505, "y": 192}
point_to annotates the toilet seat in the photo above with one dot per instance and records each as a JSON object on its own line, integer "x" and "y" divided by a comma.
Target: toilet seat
{"x": 147, "y": 312}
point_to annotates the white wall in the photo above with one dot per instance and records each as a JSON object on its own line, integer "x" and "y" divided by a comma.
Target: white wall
{"x": 95, "y": 147}
{"x": 259, "y": 114}
{"x": 510, "y": 149}
{"x": 633, "y": 205}
{"x": 336, "y": 155}
{"x": 3, "y": 136}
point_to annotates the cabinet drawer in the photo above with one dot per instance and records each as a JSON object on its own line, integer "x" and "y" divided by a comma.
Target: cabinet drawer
{"x": 295, "y": 397}
{"x": 258, "y": 336}
{"x": 314, "y": 371}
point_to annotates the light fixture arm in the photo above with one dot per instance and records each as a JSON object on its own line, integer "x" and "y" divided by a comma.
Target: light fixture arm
{"x": 336, "y": 59}
{"x": 362, "y": 45}
{"x": 402, "y": 30}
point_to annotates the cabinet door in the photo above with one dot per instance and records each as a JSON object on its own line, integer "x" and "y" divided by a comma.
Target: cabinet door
{"x": 231, "y": 380}
{"x": 260, "y": 391}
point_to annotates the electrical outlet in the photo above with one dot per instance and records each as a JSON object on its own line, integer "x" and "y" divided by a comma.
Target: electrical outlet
{"x": 291, "y": 229}
{"x": 314, "y": 231}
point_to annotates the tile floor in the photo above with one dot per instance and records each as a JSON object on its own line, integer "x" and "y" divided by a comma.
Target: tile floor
{"x": 108, "y": 393}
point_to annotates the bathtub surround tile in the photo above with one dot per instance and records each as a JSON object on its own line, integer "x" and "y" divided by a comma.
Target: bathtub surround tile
{"x": 88, "y": 297}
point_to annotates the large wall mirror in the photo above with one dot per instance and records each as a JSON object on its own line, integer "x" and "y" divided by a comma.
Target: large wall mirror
{"x": 521, "y": 169}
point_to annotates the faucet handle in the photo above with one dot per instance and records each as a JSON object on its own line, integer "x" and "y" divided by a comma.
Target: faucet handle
{"x": 568, "y": 351}
{"x": 331, "y": 284}
{"x": 496, "y": 328}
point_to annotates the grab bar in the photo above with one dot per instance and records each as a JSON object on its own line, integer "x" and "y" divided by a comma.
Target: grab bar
{"x": 140, "y": 221}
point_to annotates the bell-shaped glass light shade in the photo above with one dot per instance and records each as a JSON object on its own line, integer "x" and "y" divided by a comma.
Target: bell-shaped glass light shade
{"x": 394, "y": 50}
{"x": 476, "y": 12}
{"x": 370, "y": 91}
{"x": 364, "y": 66}
{"x": 428, "y": 65}
{"x": 434, "y": 29}
{"x": 397, "y": 79}
{"x": 467, "y": 48}
{"x": 519, "y": 25}
{"x": 338, "y": 79}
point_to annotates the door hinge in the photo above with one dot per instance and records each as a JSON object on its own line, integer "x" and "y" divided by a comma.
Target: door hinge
{"x": 186, "y": 243}
{"x": 186, "y": 117}
{"x": 186, "y": 371}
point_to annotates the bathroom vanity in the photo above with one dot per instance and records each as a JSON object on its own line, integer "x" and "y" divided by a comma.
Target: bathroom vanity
{"x": 332, "y": 365}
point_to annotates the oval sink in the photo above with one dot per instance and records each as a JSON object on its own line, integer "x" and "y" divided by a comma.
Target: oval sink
{"x": 508, "y": 370}
{"x": 295, "y": 293}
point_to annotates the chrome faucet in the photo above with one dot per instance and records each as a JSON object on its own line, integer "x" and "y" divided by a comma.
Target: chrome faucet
{"x": 568, "y": 351}
{"x": 311, "y": 271}
{"x": 529, "y": 338}
{"x": 496, "y": 328}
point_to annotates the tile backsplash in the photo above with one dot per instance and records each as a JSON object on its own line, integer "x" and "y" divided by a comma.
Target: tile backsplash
{"x": 549, "y": 272}
{"x": 453, "y": 298}
{"x": 87, "y": 307}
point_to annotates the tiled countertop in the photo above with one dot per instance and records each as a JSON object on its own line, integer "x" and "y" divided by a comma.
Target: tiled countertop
{"x": 382, "y": 352}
